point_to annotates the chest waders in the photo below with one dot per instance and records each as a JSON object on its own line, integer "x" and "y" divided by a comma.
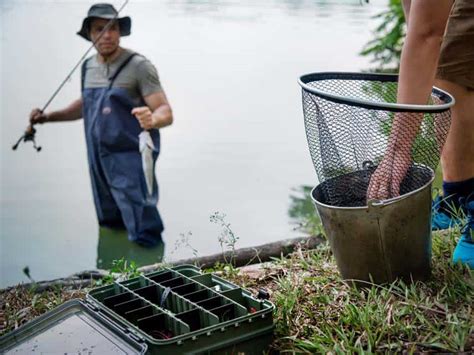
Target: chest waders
{"x": 115, "y": 164}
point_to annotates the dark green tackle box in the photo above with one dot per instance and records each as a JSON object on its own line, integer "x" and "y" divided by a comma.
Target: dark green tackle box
{"x": 175, "y": 310}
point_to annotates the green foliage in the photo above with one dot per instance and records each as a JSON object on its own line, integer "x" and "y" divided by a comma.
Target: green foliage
{"x": 381, "y": 91}
{"x": 286, "y": 300}
{"x": 122, "y": 269}
{"x": 385, "y": 49}
{"x": 125, "y": 268}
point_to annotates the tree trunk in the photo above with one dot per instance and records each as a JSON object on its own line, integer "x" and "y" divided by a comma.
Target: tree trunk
{"x": 247, "y": 256}
{"x": 240, "y": 257}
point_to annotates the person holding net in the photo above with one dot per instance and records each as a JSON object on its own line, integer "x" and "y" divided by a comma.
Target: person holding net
{"x": 439, "y": 50}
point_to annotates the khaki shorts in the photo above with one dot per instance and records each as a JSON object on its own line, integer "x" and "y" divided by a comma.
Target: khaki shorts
{"x": 456, "y": 61}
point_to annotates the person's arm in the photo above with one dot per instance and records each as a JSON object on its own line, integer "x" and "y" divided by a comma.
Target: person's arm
{"x": 70, "y": 113}
{"x": 420, "y": 54}
{"x": 421, "y": 49}
{"x": 157, "y": 113}
{"x": 418, "y": 65}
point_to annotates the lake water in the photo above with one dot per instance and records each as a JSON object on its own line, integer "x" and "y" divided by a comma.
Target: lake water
{"x": 237, "y": 146}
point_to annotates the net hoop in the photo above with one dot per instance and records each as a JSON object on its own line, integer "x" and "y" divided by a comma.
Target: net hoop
{"x": 304, "y": 81}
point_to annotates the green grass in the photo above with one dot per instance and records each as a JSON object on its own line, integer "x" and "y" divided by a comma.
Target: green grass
{"x": 318, "y": 312}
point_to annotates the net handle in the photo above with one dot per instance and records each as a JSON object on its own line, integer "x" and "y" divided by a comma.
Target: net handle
{"x": 387, "y": 106}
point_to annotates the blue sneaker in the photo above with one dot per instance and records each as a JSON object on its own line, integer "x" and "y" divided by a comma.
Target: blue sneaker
{"x": 464, "y": 251}
{"x": 441, "y": 218}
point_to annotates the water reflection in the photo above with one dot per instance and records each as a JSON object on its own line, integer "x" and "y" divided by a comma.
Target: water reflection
{"x": 254, "y": 10}
{"x": 302, "y": 212}
{"x": 114, "y": 245}
{"x": 292, "y": 6}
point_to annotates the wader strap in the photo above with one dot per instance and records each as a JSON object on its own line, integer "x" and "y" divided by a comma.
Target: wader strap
{"x": 120, "y": 68}
{"x": 83, "y": 73}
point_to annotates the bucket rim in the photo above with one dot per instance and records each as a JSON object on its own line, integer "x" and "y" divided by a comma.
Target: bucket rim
{"x": 383, "y": 77}
{"x": 376, "y": 203}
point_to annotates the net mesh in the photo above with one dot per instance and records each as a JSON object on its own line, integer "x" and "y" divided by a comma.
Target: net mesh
{"x": 362, "y": 151}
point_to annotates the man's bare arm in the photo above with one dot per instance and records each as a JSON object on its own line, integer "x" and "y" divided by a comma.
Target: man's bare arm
{"x": 70, "y": 113}
{"x": 157, "y": 113}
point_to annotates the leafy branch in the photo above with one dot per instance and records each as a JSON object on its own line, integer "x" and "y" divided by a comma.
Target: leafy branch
{"x": 386, "y": 48}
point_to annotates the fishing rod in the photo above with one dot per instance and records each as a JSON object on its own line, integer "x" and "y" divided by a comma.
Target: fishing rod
{"x": 29, "y": 134}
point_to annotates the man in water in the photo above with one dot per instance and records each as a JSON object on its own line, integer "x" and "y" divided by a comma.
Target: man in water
{"x": 121, "y": 96}
{"x": 439, "y": 44}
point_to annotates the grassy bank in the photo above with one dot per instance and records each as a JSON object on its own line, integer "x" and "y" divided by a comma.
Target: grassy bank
{"x": 319, "y": 312}
{"x": 316, "y": 311}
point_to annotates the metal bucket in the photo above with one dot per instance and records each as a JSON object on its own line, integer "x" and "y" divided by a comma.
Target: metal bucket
{"x": 385, "y": 240}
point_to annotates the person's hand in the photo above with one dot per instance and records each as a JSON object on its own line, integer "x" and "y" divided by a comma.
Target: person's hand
{"x": 144, "y": 116}
{"x": 386, "y": 180}
{"x": 37, "y": 116}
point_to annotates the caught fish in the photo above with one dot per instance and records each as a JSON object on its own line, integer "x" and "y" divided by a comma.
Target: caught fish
{"x": 146, "y": 147}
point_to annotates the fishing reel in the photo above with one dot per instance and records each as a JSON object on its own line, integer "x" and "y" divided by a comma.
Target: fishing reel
{"x": 28, "y": 136}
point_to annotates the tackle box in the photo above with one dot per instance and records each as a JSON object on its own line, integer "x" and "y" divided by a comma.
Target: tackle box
{"x": 177, "y": 310}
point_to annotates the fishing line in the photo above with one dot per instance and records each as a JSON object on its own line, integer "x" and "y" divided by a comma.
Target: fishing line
{"x": 29, "y": 134}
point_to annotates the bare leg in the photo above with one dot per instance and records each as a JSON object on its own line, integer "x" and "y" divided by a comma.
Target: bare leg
{"x": 457, "y": 158}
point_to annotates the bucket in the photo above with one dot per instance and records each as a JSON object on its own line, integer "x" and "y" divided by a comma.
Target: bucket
{"x": 359, "y": 133}
{"x": 385, "y": 240}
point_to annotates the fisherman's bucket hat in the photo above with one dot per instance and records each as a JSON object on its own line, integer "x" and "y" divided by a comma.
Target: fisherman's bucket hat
{"x": 107, "y": 12}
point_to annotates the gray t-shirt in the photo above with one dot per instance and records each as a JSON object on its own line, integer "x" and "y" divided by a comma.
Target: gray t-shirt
{"x": 139, "y": 76}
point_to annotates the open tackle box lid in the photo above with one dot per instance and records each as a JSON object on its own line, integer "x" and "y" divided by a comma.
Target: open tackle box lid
{"x": 75, "y": 327}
